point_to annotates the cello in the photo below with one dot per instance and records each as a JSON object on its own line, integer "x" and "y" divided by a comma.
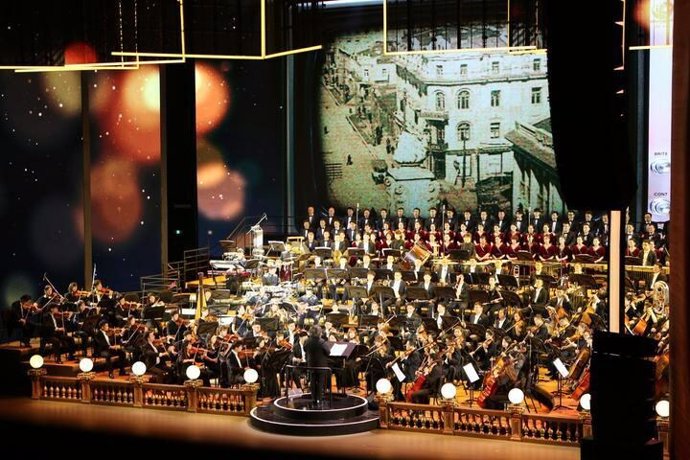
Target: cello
{"x": 419, "y": 381}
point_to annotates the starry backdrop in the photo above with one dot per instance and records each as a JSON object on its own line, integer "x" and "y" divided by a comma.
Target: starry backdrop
{"x": 240, "y": 139}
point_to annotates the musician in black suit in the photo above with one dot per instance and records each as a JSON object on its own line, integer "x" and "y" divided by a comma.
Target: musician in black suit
{"x": 502, "y": 221}
{"x": 317, "y": 356}
{"x": 478, "y": 316}
{"x": 383, "y": 218}
{"x": 311, "y": 218}
{"x": 537, "y": 220}
{"x": 399, "y": 218}
{"x": 428, "y": 286}
{"x": 540, "y": 296}
{"x": 433, "y": 218}
{"x": 502, "y": 321}
{"x": 647, "y": 254}
{"x": 105, "y": 347}
{"x": 54, "y": 332}
{"x": 431, "y": 385}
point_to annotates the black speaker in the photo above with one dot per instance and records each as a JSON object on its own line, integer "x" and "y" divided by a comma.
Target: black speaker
{"x": 622, "y": 390}
{"x": 595, "y": 166}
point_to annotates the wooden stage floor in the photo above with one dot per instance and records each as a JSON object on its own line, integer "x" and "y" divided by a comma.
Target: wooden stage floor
{"x": 236, "y": 434}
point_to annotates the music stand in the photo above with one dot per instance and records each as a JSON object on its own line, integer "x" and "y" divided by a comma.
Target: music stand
{"x": 507, "y": 281}
{"x": 391, "y": 252}
{"x": 430, "y": 325}
{"x": 154, "y": 313}
{"x": 511, "y": 299}
{"x": 632, "y": 260}
{"x": 324, "y": 252}
{"x": 449, "y": 322}
{"x": 476, "y": 329}
{"x": 524, "y": 255}
{"x": 481, "y": 278}
{"x": 477, "y": 295}
{"x": 549, "y": 281}
{"x": 396, "y": 343}
{"x": 498, "y": 333}
{"x": 383, "y": 274}
{"x": 337, "y": 319}
{"x": 90, "y": 324}
{"x": 472, "y": 377}
{"x": 356, "y": 292}
{"x": 207, "y": 327}
{"x": 276, "y": 248}
{"x": 358, "y": 273}
{"x": 586, "y": 281}
{"x": 369, "y": 320}
{"x": 355, "y": 252}
{"x": 584, "y": 258}
{"x": 408, "y": 276}
{"x": 337, "y": 273}
{"x": 562, "y": 374}
{"x": 458, "y": 254}
{"x": 416, "y": 293}
{"x": 446, "y": 293}
{"x": 315, "y": 273}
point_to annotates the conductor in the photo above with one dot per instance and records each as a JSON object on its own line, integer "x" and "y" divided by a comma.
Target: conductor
{"x": 317, "y": 357}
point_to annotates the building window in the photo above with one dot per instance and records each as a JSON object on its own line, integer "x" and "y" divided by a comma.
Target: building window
{"x": 384, "y": 74}
{"x": 464, "y": 99}
{"x": 495, "y": 68}
{"x": 495, "y": 98}
{"x": 464, "y": 132}
{"x": 440, "y": 101}
{"x": 439, "y": 70}
{"x": 536, "y": 95}
{"x": 495, "y": 130}
{"x": 463, "y": 70}
{"x": 366, "y": 74}
{"x": 536, "y": 65}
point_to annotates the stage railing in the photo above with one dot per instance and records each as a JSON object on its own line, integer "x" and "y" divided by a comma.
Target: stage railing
{"x": 136, "y": 392}
{"x": 512, "y": 424}
{"x": 170, "y": 280}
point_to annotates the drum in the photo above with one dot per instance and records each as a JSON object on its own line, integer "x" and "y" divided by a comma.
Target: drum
{"x": 417, "y": 252}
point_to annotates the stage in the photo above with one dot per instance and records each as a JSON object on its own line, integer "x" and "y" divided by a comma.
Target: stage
{"x": 110, "y": 429}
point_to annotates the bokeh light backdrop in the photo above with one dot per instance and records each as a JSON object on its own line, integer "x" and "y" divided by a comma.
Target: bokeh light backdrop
{"x": 240, "y": 114}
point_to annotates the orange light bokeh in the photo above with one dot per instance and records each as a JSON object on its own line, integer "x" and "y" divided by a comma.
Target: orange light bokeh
{"x": 212, "y": 98}
{"x": 80, "y": 53}
{"x": 116, "y": 202}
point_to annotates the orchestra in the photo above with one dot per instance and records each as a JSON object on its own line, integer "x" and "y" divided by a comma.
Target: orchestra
{"x": 417, "y": 304}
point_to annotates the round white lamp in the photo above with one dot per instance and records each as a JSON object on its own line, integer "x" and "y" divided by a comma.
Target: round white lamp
{"x": 448, "y": 391}
{"x": 516, "y": 396}
{"x": 383, "y": 386}
{"x": 36, "y": 361}
{"x": 193, "y": 372}
{"x": 663, "y": 408}
{"x": 251, "y": 376}
{"x": 139, "y": 368}
{"x": 586, "y": 401}
{"x": 86, "y": 365}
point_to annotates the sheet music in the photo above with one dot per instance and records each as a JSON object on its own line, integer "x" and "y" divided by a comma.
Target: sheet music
{"x": 398, "y": 373}
{"x": 338, "y": 349}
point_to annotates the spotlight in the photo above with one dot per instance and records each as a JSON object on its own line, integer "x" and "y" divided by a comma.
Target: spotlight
{"x": 586, "y": 401}
{"x": 448, "y": 391}
{"x": 663, "y": 409}
{"x": 138, "y": 368}
{"x": 251, "y": 376}
{"x": 36, "y": 361}
{"x": 193, "y": 372}
{"x": 86, "y": 365}
{"x": 516, "y": 396}
{"x": 383, "y": 386}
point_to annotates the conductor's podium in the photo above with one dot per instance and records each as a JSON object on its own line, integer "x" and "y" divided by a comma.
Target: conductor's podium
{"x": 293, "y": 415}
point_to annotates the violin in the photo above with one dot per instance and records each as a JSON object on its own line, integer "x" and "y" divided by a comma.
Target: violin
{"x": 285, "y": 344}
